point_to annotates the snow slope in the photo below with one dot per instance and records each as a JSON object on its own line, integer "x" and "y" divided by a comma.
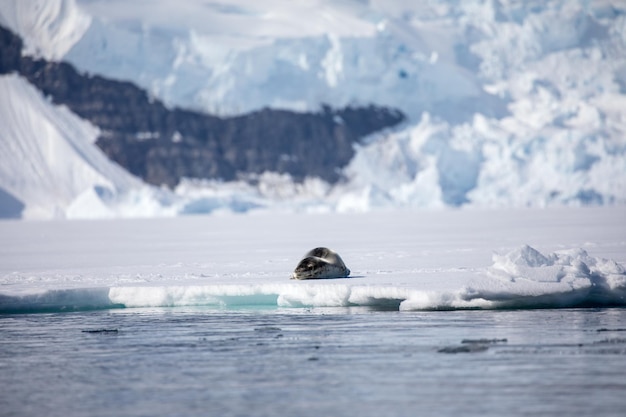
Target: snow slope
{"x": 413, "y": 260}
{"x": 510, "y": 103}
{"x": 53, "y": 152}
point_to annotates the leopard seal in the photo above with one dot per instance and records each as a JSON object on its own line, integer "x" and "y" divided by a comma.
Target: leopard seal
{"x": 320, "y": 263}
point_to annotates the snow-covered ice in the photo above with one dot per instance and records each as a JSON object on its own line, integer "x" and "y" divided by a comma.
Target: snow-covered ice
{"x": 511, "y": 105}
{"x": 428, "y": 260}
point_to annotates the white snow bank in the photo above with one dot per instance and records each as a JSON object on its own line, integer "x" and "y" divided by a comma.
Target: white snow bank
{"x": 47, "y": 154}
{"x": 523, "y": 278}
{"x": 487, "y": 163}
{"x": 527, "y": 278}
{"x": 50, "y": 164}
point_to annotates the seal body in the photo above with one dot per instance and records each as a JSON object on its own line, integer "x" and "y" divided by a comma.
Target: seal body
{"x": 320, "y": 263}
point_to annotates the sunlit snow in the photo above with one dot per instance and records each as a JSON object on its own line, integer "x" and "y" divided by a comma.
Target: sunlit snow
{"x": 510, "y": 104}
{"x": 445, "y": 259}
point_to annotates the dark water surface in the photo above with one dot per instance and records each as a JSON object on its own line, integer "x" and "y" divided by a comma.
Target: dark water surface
{"x": 313, "y": 362}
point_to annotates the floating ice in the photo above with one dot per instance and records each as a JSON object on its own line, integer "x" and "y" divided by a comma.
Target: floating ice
{"x": 527, "y": 278}
{"x": 523, "y": 278}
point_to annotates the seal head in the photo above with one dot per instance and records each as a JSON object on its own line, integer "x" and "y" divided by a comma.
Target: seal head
{"x": 320, "y": 263}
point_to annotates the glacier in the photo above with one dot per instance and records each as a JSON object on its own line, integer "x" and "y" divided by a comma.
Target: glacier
{"x": 510, "y": 104}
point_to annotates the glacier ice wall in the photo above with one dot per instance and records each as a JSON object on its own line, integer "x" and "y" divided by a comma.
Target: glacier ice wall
{"x": 510, "y": 103}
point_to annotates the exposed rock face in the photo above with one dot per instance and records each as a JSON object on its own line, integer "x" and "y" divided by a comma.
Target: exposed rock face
{"x": 163, "y": 145}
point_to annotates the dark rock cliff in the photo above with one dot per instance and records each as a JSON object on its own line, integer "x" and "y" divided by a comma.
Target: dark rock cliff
{"x": 163, "y": 145}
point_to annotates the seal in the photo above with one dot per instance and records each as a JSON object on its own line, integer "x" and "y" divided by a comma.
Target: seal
{"x": 320, "y": 263}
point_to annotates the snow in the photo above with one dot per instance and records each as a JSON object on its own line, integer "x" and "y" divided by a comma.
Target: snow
{"x": 231, "y": 58}
{"x": 407, "y": 260}
{"x": 528, "y": 277}
{"x": 49, "y": 28}
{"x": 241, "y": 55}
{"x": 53, "y": 152}
{"x": 509, "y": 104}
{"x": 490, "y": 163}
{"x": 51, "y": 165}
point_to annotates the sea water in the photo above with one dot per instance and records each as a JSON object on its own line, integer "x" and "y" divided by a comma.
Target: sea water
{"x": 312, "y": 362}
{"x": 446, "y": 313}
